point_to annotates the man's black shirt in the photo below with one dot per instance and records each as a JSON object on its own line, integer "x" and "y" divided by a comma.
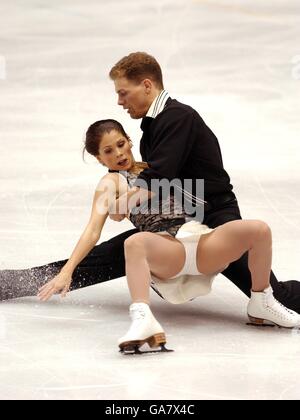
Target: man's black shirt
{"x": 178, "y": 144}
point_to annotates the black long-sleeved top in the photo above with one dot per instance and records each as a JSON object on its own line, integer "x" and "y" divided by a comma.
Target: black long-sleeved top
{"x": 178, "y": 144}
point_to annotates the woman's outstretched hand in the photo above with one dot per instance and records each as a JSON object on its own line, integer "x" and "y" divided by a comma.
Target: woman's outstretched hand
{"x": 59, "y": 284}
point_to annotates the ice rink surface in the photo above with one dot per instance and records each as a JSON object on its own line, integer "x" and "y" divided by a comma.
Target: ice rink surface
{"x": 238, "y": 63}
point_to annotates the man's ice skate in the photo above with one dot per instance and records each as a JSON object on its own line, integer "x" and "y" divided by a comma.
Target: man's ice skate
{"x": 144, "y": 329}
{"x": 264, "y": 310}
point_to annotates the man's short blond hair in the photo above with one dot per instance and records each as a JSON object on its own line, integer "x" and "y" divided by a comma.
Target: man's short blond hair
{"x": 137, "y": 67}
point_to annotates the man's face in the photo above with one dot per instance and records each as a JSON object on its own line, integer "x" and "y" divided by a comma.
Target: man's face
{"x": 135, "y": 97}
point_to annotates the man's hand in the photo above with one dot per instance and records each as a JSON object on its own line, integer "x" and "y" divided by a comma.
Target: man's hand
{"x": 60, "y": 284}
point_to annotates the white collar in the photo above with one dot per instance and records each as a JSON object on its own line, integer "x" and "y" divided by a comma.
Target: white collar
{"x": 158, "y": 104}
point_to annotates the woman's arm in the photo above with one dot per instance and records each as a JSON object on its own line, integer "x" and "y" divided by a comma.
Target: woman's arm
{"x": 127, "y": 201}
{"x": 106, "y": 193}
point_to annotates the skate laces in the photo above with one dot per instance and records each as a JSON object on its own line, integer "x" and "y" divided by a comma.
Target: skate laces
{"x": 284, "y": 307}
{"x": 272, "y": 302}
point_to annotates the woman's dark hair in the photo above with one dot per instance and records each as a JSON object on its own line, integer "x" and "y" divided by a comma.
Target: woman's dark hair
{"x": 95, "y": 133}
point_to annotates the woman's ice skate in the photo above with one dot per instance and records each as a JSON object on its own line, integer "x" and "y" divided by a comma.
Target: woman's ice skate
{"x": 264, "y": 309}
{"x": 144, "y": 329}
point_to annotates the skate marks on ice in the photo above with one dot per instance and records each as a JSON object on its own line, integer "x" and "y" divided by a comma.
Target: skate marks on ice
{"x": 69, "y": 351}
{"x": 283, "y": 199}
{"x": 48, "y": 356}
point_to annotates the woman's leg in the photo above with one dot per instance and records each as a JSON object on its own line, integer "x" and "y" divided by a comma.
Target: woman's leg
{"x": 227, "y": 243}
{"x": 286, "y": 292}
{"x": 147, "y": 253}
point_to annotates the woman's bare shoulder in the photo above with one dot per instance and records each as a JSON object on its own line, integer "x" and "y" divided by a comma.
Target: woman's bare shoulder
{"x": 112, "y": 179}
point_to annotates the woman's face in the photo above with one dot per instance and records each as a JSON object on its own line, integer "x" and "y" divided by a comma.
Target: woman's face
{"x": 115, "y": 151}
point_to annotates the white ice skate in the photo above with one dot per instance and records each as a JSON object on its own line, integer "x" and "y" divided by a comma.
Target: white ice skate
{"x": 144, "y": 329}
{"x": 264, "y": 309}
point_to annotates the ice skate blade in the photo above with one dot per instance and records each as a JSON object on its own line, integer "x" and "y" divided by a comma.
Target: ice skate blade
{"x": 135, "y": 350}
{"x": 259, "y": 322}
{"x": 251, "y": 324}
{"x": 153, "y": 341}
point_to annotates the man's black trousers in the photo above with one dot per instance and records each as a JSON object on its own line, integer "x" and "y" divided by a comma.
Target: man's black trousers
{"x": 106, "y": 262}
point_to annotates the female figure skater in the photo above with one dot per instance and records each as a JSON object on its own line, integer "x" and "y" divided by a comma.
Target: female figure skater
{"x": 168, "y": 247}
